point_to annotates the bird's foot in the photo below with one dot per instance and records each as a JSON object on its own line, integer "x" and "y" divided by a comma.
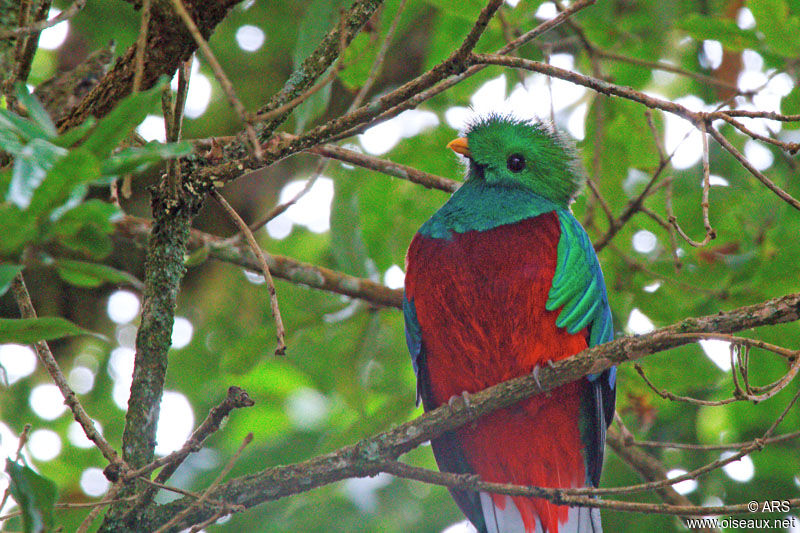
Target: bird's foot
{"x": 535, "y": 375}
{"x": 456, "y": 400}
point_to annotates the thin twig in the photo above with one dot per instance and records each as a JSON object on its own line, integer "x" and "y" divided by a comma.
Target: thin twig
{"x": 790, "y": 147}
{"x": 604, "y": 87}
{"x": 141, "y": 46}
{"x": 560, "y": 496}
{"x": 84, "y": 505}
{"x": 508, "y": 36}
{"x": 173, "y": 122}
{"x": 36, "y": 27}
{"x": 746, "y": 394}
{"x": 259, "y": 253}
{"x": 177, "y": 490}
{"x": 70, "y": 399}
{"x": 647, "y": 466}
{"x": 704, "y": 205}
{"x": 293, "y": 103}
{"x": 386, "y": 167}
{"x": 98, "y": 506}
{"x": 755, "y": 343}
{"x": 27, "y": 45}
{"x": 596, "y": 193}
{"x": 684, "y": 399}
{"x": 785, "y": 196}
{"x": 635, "y": 204}
{"x": 292, "y": 270}
{"x": 712, "y": 447}
{"x": 236, "y": 398}
{"x": 23, "y": 439}
{"x": 318, "y": 62}
{"x": 378, "y": 62}
{"x": 281, "y": 208}
{"x": 772, "y": 115}
{"x": 666, "y": 67}
{"x": 222, "y": 78}
{"x": 204, "y": 496}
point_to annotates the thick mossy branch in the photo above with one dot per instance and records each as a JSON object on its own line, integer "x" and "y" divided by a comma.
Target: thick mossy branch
{"x": 163, "y": 273}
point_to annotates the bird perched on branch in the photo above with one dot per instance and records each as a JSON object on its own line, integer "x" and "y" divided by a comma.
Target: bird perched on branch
{"x": 500, "y": 281}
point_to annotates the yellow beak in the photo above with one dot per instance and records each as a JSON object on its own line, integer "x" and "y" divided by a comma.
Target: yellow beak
{"x": 460, "y": 146}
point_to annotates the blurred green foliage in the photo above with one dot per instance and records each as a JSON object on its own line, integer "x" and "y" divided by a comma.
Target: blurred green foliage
{"x": 347, "y": 374}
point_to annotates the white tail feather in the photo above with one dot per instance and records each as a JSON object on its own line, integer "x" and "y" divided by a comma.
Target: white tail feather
{"x": 509, "y": 519}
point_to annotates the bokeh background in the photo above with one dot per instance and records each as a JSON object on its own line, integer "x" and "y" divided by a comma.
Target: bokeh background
{"x": 346, "y": 374}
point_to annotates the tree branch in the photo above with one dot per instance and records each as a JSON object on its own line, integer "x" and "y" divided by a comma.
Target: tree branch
{"x": 49, "y": 362}
{"x": 367, "y": 457}
{"x": 283, "y": 267}
{"x": 648, "y": 467}
{"x": 164, "y": 270}
{"x": 390, "y": 168}
{"x": 698, "y": 118}
{"x": 237, "y": 162}
{"x": 168, "y": 45}
{"x": 318, "y": 62}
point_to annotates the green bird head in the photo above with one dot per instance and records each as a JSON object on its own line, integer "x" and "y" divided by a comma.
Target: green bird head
{"x": 524, "y": 154}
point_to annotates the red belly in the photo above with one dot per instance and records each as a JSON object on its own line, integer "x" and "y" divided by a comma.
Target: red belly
{"x": 480, "y": 300}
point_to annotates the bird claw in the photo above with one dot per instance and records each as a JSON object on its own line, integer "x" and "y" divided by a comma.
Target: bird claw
{"x": 463, "y": 399}
{"x": 535, "y": 375}
{"x": 537, "y": 370}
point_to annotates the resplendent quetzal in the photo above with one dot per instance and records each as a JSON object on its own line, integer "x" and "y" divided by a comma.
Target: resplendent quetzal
{"x": 501, "y": 280}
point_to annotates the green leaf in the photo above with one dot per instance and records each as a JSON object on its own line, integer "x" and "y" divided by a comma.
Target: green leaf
{"x": 88, "y": 240}
{"x": 35, "y": 495}
{"x": 73, "y": 200}
{"x": 18, "y": 229}
{"x": 134, "y": 159}
{"x": 115, "y": 127}
{"x": 74, "y": 135}
{"x": 101, "y": 214}
{"x": 78, "y": 167}
{"x": 35, "y": 111}
{"x": 85, "y": 228}
{"x": 25, "y": 129}
{"x": 725, "y": 31}
{"x": 10, "y": 141}
{"x": 7, "y": 273}
{"x": 30, "y": 168}
{"x": 85, "y": 274}
{"x": 197, "y": 257}
{"x": 780, "y": 30}
{"x": 347, "y": 241}
{"x": 30, "y": 330}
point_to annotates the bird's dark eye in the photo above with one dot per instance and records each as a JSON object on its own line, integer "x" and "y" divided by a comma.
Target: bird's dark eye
{"x": 515, "y": 163}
